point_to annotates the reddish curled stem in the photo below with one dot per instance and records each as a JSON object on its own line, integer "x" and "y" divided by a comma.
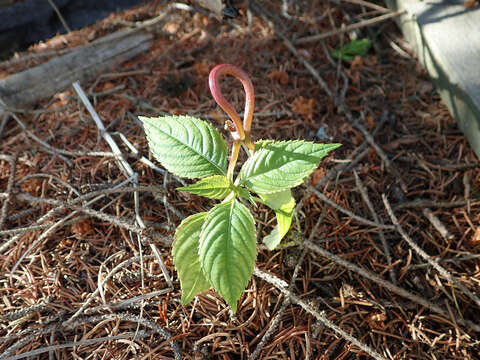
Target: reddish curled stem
{"x": 242, "y": 130}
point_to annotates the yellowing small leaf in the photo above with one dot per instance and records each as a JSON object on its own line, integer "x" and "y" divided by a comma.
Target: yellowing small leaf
{"x": 284, "y": 214}
{"x": 276, "y": 200}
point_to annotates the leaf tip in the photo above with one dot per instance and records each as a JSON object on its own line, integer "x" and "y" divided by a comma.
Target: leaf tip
{"x": 233, "y": 304}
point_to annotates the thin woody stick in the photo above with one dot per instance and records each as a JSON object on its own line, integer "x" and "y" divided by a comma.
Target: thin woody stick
{"x": 11, "y": 180}
{"x": 386, "y": 284}
{"x": 283, "y": 287}
{"x": 348, "y": 28}
{"x": 348, "y": 212}
{"x": 126, "y": 169}
{"x": 427, "y": 257}
{"x": 369, "y": 5}
{"x": 385, "y": 246}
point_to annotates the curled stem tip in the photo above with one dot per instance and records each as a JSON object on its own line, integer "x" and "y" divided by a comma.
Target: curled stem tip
{"x": 242, "y": 130}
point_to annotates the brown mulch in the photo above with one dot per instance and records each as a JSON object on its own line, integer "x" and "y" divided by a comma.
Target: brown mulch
{"x": 419, "y": 163}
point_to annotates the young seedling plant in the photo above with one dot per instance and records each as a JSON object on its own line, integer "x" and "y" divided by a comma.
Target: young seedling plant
{"x": 218, "y": 248}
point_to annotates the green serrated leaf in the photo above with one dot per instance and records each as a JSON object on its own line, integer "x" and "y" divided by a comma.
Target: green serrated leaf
{"x": 278, "y": 199}
{"x": 185, "y": 257}
{"x": 282, "y": 165}
{"x": 213, "y": 187}
{"x": 186, "y": 146}
{"x": 353, "y": 48}
{"x": 283, "y": 204}
{"x": 262, "y": 143}
{"x": 228, "y": 249}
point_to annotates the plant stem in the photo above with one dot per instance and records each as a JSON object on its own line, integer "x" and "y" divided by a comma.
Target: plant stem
{"x": 233, "y": 159}
{"x": 248, "y": 150}
{"x": 249, "y": 144}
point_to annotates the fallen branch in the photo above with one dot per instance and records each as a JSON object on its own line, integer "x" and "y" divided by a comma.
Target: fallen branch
{"x": 130, "y": 335}
{"x": 93, "y": 320}
{"x": 386, "y": 284}
{"x": 29, "y": 86}
{"x": 283, "y": 287}
{"x": 437, "y": 224}
{"x": 83, "y": 63}
{"x": 11, "y": 180}
{"x": 386, "y": 247}
{"x": 364, "y": 23}
{"x": 427, "y": 257}
{"x": 348, "y": 212}
{"x": 278, "y": 316}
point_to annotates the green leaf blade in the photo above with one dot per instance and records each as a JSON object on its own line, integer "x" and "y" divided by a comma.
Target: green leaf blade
{"x": 228, "y": 249}
{"x": 278, "y": 199}
{"x": 186, "y": 146}
{"x": 358, "y": 47}
{"x": 278, "y": 166}
{"x": 213, "y": 187}
{"x": 185, "y": 257}
{"x": 283, "y": 204}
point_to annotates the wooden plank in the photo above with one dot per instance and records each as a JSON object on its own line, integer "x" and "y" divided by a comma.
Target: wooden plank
{"x": 446, "y": 38}
{"x": 27, "y": 87}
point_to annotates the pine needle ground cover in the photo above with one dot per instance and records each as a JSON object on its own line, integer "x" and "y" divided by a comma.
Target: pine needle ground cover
{"x": 380, "y": 262}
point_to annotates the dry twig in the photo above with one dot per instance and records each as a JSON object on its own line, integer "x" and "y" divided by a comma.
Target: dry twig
{"x": 128, "y": 171}
{"x": 8, "y": 193}
{"x": 389, "y": 286}
{"x": 437, "y": 224}
{"x": 348, "y": 212}
{"x": 369, "y": 138}
{"x": 427, "y": 257}
{"x": 63, "y": 205}
{"x": 96, "y": 319}
{"x": 116, "y": 269}
{"x": 386, "y": 248}
{"x": 36, "y": 352}
{"x": 283, "y": 287}
{"x": 60, "y": 16}
{"x": 276, "y": 319}
{"x": 348, "y": 28}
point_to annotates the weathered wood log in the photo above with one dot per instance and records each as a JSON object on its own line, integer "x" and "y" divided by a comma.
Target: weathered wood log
{"x": 446, "y": 38}
{"x": 29, "y": 86}
{"x": 215, "y": 6}
{"x": 221, "y": 8}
